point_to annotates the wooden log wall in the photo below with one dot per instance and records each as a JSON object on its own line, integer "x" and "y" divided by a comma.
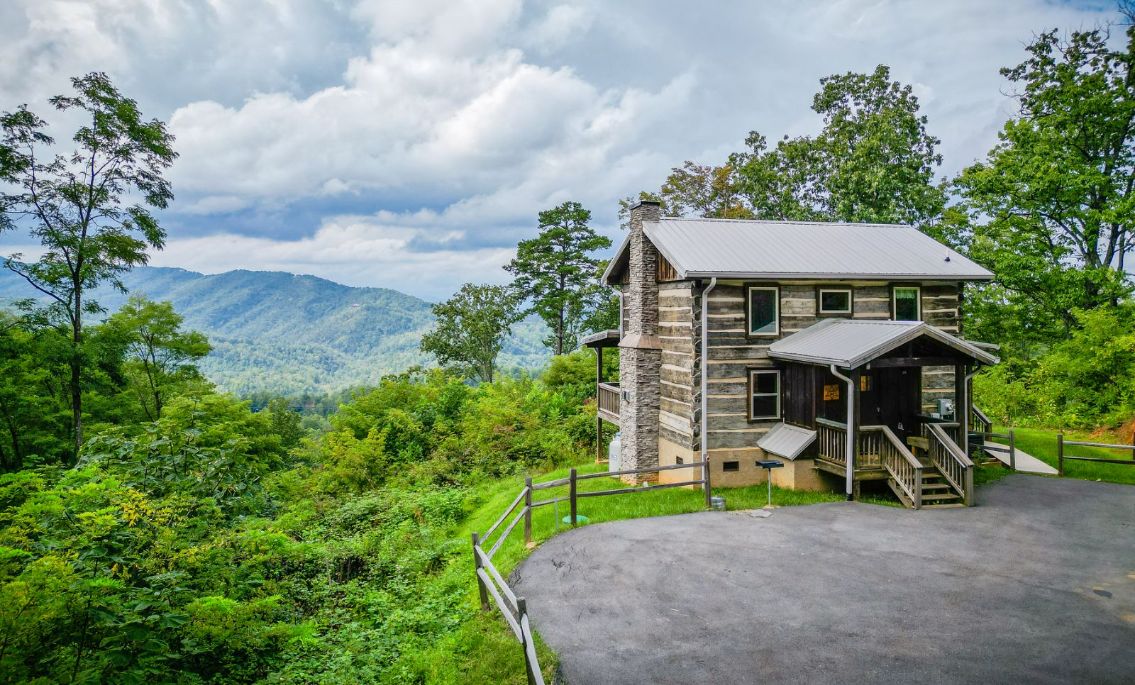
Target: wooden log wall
{"x": 940, "y": 308}
{"x": 679, "y": 320}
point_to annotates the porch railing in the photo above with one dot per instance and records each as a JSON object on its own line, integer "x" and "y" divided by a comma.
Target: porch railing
{"x": 831, "y": 439}
{"x": 896, "y": 460}
{"x": 608, "y": 397}
{"x": 951, "y": 460}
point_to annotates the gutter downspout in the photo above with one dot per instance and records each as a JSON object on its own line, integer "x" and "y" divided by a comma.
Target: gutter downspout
{"x": 849, "y": 456}
{"x": 705, "y": 377}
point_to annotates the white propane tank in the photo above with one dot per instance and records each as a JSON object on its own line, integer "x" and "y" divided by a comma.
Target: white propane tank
{"x": 613, "y": 452}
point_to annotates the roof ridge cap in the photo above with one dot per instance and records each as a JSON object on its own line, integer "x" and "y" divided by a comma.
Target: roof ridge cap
{"x": 793, "y": 222}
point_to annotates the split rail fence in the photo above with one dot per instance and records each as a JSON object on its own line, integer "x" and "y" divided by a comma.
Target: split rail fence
{"x": 1061, "y": 457}
{"x": 492, "y": 585}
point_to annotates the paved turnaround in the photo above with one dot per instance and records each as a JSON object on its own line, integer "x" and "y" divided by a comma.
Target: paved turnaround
{"x": 1036, "y": 584}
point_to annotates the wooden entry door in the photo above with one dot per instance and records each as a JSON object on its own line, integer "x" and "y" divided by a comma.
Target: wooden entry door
{"x": 890, "y": 397}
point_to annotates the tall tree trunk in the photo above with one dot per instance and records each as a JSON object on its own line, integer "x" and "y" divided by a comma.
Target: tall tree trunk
{"x": 77, "y": 369}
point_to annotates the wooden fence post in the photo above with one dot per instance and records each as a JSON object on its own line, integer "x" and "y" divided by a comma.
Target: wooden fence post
{"x": 528, "y": 511}
{"x": 705, "y": 483}
{"x": 477, "y": 567}
{"x": 571, "y": 494}
{"x": 1012, "y": 450}
{"x": 521, "y": 615}
{"x": 1060, "y": 453}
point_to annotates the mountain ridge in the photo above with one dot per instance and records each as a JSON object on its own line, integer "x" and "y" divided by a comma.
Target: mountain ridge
{"x": 279, "y": 332}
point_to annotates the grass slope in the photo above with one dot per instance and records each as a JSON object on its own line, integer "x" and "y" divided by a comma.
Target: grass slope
{"x": 289, "y": 334}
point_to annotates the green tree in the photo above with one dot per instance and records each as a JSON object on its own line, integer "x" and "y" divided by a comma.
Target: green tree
{"x": 160, "y": 355}
{"x": 470, "y": 329}
{"x": 1051, "y": 208}
{"x": 557, "y": 271}
{"x": 80, "y": 206}
{"x": 873, "y": 161}
{"x": 33, "y": 411}
{"x": 702, "y": 190}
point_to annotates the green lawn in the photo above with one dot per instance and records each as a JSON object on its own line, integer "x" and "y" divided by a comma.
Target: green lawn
{"x": 1041, "y": 443}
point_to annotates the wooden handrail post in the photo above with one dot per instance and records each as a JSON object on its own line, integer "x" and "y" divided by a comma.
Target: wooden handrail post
{"x": 571, "y": 494}
{"x": 1012, "y": 450}
{"x": 527, "y": 511}
{"x": 477, "y": 567}
{"x": 1060, "y": 454}
{"x": 705, "y": 484}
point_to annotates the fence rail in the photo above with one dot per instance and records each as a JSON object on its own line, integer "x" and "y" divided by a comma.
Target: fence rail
{"x": 954, "y": 464}
{"x": 1061, "y": 457}
{"x": 492, "y": 586}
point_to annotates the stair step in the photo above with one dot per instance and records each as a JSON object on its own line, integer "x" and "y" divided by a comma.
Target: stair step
{"x": 935, "y": 486}
{"x": 952, "y": 505}
{"x": 936, "y": 498}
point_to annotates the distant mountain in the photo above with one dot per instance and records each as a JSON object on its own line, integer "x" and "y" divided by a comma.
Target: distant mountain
{"x": 283, "y": 333}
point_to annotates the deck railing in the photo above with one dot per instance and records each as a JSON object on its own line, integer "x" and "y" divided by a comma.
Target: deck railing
{"x": 490, "y": 583}
{"x": 608, "y": 397}
{"x": 951, "y": 460}
{"x": 897, "y": 460}
{"x": 831, "y": 438}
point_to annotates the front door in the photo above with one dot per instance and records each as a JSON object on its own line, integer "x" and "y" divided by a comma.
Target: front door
{"x": 890, "y": 397}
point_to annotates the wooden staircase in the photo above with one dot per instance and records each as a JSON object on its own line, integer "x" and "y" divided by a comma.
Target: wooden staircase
{"x": 937, "y": 492}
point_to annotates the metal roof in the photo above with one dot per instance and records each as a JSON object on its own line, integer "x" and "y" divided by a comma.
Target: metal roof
{"x": 735, "y": 248}
{"x": 601, "y": 339}
{"x": 786, "y": 441}
{"x": 850, "y": 343}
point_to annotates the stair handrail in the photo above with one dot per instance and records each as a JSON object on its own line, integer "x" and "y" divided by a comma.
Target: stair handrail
{"x": 982, "y": 418}
{"x": 951, "y": 460}
{"x": 900, "y": 463}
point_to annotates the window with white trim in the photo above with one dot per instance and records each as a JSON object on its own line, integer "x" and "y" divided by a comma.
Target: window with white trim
{"x": 764, "y": 310}
{"x": 764, "y": 395}
{"x": 835, "y": 300}
{"x": 906, "y": 303}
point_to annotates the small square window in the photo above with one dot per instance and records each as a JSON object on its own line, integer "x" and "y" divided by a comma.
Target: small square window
{"x": 835, "y": 300}
{"x": 906, "y": 304}
{"x": 764, "y": 310}
{"x": 730, "y": 466}
{"x": 764, "y": 394}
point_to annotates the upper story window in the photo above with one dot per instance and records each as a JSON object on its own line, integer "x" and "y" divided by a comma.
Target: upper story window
{"x": 905, "y": 303}
{"x": 834, "y": 300}
{"x": 763, "y": 304}
{"x": 764, "y": 395}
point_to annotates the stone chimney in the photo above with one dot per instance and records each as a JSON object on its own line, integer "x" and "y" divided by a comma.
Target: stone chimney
{"x": 640, "y": 351}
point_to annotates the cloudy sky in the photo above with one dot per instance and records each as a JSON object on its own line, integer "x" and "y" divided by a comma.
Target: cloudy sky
{"x": 410, "y": 143}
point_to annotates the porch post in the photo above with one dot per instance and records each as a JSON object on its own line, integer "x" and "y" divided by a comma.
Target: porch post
{"x": 961, "y": 405}
{"x": 598, "y": 420}
{"x": 853, "y": 425}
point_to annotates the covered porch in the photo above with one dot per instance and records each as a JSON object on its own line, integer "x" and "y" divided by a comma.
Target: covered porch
{"x": 859, "y": 384}
{"x": 608, "y": 396}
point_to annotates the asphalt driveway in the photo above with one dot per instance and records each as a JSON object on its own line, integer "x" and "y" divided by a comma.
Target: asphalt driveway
{"x": 1036, "y": 584}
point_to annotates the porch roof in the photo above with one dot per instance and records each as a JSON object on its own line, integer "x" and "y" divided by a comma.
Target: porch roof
{"x": 851, "y": 343}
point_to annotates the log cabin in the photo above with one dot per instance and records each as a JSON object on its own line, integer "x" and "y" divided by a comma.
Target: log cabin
{"x": 835, "y": 349}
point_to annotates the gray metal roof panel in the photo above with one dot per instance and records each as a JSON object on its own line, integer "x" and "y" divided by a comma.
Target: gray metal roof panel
{"x": 850, "y": 343}
{"x": 733, "y": 248}
{"x": 786, "y": 441}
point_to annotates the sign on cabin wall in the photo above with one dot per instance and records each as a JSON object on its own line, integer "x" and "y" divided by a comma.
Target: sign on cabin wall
{"x": 831, "y": 392}
{"x": 864, "y": 383}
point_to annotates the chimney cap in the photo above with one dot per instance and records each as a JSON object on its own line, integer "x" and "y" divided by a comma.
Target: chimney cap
{"x": 646, "y": 203}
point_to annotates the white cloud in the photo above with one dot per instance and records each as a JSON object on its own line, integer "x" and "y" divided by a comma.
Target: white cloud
{"x": 451, "y": 123}
{"x": 351, "y": 250}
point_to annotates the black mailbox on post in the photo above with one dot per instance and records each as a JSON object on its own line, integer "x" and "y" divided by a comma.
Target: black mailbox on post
{"x": 768, "y": 465}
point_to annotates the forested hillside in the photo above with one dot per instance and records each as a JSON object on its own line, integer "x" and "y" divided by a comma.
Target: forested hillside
{"x": 288, "y": 334}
